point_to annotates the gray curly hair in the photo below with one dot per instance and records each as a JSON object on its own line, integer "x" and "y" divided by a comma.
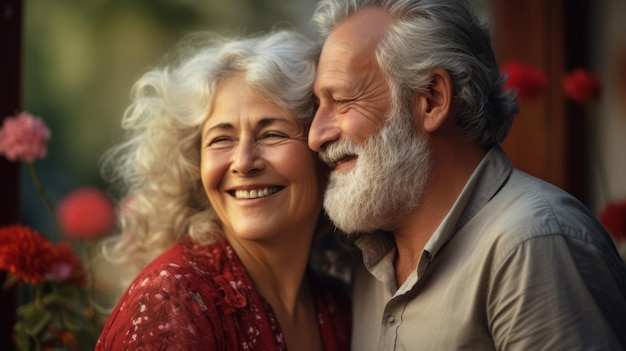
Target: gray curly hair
{"x": 157, "y": 168}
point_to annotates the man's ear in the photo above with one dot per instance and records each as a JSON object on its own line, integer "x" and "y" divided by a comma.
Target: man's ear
{"x": 434, "y": 106}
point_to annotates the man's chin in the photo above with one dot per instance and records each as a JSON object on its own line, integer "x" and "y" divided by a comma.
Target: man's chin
{"x": 348, "y": 217}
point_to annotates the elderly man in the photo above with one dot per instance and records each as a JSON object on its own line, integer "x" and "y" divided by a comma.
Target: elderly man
{"x": 460, "y": 250}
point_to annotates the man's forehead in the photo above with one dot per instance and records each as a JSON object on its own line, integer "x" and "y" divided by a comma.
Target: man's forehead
{"x": 356, "y": 37}
{"x": 354, "y": 40}
{"x": 339, "y": 67}
{"x": 364, "y": 28}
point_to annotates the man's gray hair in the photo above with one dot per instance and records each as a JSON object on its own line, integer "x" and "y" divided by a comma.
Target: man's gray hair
{"x": 428, "y": 34}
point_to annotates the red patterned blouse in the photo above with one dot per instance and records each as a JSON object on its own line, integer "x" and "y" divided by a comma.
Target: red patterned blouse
{"x": 195, "y": 297}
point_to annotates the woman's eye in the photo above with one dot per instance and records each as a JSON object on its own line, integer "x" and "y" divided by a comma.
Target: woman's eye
{"x": 271, "y": 135}
{"x": 271, "y": 138}
{"x": 218, "y": 141}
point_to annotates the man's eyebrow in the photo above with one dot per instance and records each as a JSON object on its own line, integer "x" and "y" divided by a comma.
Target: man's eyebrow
{"x": 323, "y": 92}
{"x": 344, "y": 88}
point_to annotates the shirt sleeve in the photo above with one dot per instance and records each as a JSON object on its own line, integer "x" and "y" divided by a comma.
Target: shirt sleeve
{"x": 160, "y": 311}
{"x": 555, "y": 293}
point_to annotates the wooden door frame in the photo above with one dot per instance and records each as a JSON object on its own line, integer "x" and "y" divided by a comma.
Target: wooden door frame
{"x": 10, "y": 102}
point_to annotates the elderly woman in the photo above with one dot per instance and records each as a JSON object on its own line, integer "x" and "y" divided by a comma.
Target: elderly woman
{"x": 224, "y": 200}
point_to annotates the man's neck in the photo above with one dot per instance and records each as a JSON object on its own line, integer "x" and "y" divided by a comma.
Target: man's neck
{"x": 451, "y": 169}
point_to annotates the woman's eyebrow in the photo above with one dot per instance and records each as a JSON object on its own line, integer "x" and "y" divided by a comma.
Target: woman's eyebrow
{"x": 224, "y": 126}
{"x": 266, "y": 121}
{"x": 263, "y": 122}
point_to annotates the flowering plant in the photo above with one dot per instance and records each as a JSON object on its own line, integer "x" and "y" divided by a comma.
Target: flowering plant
{"x": 529, "y": 81}
{"x": 57, "y": 279}
{"x": 23, "y": 138}
{"x": 582, "y": 87}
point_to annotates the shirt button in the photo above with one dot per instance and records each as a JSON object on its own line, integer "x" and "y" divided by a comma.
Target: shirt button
{"x": 392, "y": 320}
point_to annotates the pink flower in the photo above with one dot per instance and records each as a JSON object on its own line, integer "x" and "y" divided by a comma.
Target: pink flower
{"x": 23, "y": 138}
{"x": 67, "y": 267}
{"x": 86, "y": 213}
{"x": 582, "y": 86}
{"x": 528, "y": 81}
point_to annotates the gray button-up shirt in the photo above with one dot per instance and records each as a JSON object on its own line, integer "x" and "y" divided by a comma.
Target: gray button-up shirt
{"x": 517, "y": 264}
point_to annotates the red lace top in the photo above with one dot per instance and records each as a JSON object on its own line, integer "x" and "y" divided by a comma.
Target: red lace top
{"x": 195, "y": 297}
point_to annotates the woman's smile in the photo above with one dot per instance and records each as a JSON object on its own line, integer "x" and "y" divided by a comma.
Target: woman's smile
{"x": 255, "y": 193}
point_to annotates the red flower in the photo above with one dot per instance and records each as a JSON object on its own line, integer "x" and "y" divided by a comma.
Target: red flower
{"x": 613, "y": 217}
{"x": 582, "y": 86}
{"x": 67, "y": 338}
{"x": 528, "y": 81}
{"x": 86, "y": 214}
{"x": 25, "y": 253}
{"x": 23, "y": 138}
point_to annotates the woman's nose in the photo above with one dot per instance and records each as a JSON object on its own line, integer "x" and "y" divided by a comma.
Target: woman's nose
{"x": 247, "y": 159}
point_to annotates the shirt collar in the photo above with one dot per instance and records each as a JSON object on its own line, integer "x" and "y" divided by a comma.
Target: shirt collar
{"x": 486, "y": 180}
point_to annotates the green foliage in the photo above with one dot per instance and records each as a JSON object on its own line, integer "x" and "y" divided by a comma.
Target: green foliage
{"x": 60, "y": 317}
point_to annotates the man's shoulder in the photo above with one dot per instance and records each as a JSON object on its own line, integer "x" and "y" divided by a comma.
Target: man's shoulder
{"x": 526, "y": 208}
{"x": 531, "y": 202}
{"x": 509, "y": 201}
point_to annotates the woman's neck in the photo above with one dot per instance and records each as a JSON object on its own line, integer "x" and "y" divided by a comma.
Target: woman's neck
{"x": 278, "y": 272}
{"x": 277, "y": 268}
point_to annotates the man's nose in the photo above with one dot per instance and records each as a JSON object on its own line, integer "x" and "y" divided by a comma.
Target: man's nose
{"x": 324, "y": 129}
{"x": 247, "y": 158}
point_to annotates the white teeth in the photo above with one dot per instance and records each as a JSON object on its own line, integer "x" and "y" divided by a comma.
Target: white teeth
{"x": 256, "y": 193}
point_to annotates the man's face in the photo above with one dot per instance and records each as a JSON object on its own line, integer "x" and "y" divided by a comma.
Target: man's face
{"x": 380, "y": 162}
{"x": 352, "y": 91}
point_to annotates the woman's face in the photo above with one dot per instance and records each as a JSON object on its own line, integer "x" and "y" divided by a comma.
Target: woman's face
{"x": 257, "y": 170}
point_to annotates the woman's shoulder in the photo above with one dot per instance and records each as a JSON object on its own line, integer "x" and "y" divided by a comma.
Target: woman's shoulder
{"x": 184, "y": 271}
{"x": 177, "y": 296}
{"x": 185, "y": 264}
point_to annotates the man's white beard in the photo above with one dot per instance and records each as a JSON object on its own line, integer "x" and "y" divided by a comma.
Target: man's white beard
{"x": 387, "y": 180}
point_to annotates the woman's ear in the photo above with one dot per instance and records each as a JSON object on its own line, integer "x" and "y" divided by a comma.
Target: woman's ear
{"x": 434, "y": 106}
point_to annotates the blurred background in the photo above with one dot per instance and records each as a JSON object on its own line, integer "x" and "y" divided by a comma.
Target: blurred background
{"x": 76, "y": 62}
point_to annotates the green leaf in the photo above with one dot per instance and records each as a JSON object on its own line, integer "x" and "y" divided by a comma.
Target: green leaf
{"x": 33, "y": 318}
{"x": 22, "y": 341}
{"x": 73, "y": 321}
{"x": 70, "y": 294}
{"x": 9, "y": 282}
{"x": 87, "y": 339}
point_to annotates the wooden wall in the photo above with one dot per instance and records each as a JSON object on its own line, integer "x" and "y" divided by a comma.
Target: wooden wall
{"x": 548, "y": 137}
